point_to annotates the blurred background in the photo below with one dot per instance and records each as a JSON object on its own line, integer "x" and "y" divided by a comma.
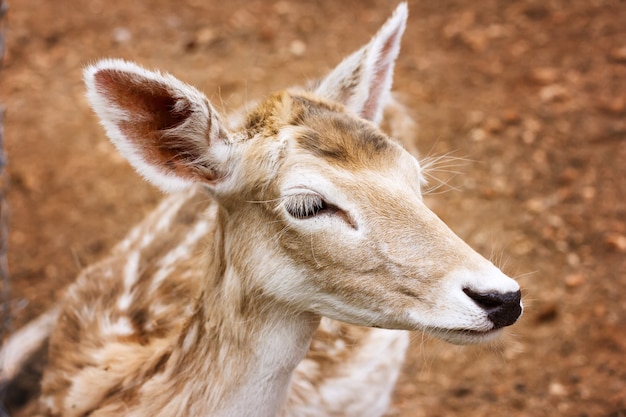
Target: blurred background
{"x": 525, "y": 98}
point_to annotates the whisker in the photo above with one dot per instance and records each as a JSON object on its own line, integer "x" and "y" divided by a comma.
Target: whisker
{"x": 434, "y": 190}
{"x": 273, "y": 200}
{"x": 446, "y": 164}
{"x": 518, "y": 276}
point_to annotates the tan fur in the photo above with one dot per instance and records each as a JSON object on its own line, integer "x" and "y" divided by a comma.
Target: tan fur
{"x": 306, "y": 210}
{"x": 156, "y": 356}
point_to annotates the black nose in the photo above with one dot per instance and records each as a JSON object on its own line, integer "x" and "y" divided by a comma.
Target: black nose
{"x": 503, "y": 309}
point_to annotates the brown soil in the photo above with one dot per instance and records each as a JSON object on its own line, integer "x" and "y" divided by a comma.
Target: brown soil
{"x": 532, "y": 94}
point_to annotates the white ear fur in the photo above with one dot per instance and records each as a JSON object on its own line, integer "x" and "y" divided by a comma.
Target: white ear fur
{"x": 362, "y": 81}
{"x": 166, "y": 129}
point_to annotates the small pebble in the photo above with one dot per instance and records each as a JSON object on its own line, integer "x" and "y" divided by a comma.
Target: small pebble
{"x": 557, "y": 389}
{"x": 574, "y": 280}
{"x": 122, "y": 35}
{"x": 546, "y": 75}
{"x": 618, "y": 54}
{"x": 616, "y": 242}
{"x": 297, "y": 48}
{"x": 553, "y": 92}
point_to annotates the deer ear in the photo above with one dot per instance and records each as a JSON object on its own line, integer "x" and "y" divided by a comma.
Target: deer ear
{"x": 166, "y": 129}
{"x": 362, "y": 81}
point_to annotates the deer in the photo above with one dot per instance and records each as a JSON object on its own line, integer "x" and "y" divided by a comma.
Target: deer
{"x": 280, "y": 275}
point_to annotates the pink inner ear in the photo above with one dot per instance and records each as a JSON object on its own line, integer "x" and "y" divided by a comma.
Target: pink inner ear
{"x": 153, "y": 114}
{"x": 381, "y": 78}
{"x": 147, "y": 99}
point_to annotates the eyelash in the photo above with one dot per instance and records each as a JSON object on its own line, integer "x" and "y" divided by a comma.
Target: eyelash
{"x": 305, "y": 206}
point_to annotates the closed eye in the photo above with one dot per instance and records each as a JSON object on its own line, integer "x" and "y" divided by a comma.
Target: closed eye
{"x": 309, "y": 205}
{"x": 305, "y": 206}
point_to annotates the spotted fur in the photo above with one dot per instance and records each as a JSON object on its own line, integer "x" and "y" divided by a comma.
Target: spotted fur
{"x": 214, "y": 304}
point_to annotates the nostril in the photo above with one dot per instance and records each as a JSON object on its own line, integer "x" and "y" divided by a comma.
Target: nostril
{"x": 489, "y": 300}
{"x": 503, "y": 309}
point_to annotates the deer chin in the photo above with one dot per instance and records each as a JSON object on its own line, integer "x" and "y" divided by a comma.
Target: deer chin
{"x": 465, "y": 336}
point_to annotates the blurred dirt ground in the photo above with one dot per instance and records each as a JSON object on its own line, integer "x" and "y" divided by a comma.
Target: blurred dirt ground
{"x": 530, "y": 94}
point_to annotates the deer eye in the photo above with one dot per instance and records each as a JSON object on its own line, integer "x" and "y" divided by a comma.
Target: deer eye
{"x": 304, "y": 206}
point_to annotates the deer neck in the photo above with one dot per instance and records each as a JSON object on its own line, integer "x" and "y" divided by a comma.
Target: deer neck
{"x": 239, "y": 349}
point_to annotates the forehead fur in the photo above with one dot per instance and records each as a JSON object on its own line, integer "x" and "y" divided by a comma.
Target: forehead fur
{"x": 325, "y": 129}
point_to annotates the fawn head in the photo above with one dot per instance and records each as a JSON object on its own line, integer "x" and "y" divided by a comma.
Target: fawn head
{"x": 322, "y": 210}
